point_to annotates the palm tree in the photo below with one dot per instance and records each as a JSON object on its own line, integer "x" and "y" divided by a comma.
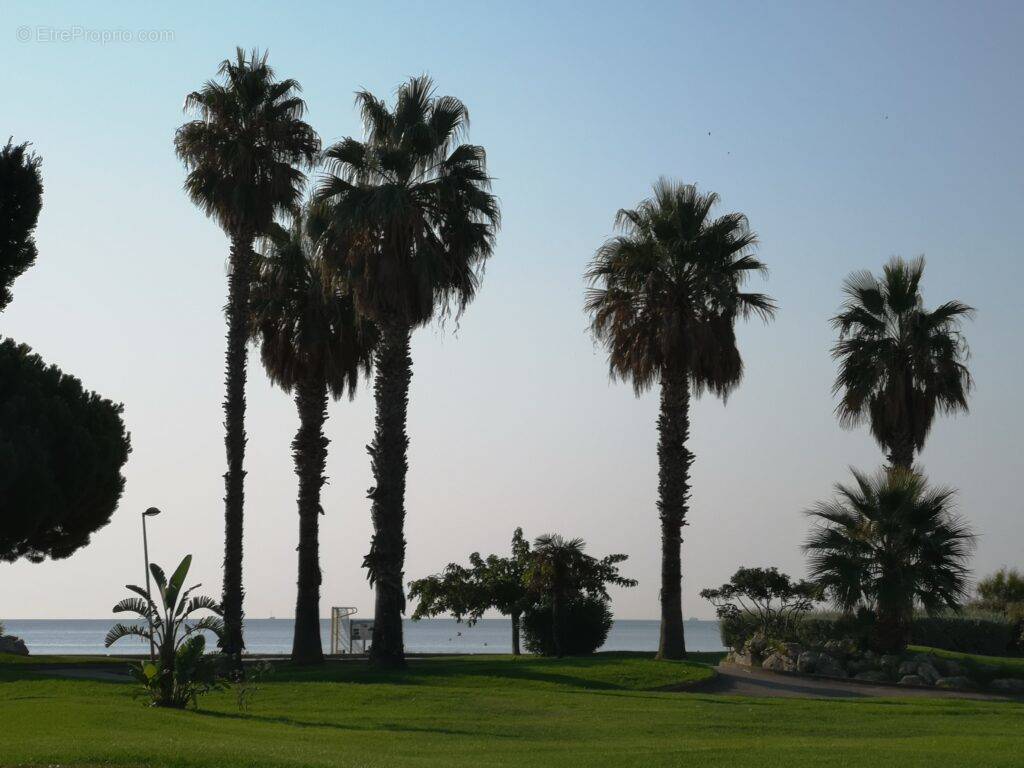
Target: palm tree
{"x": 559, "y": 570}
{"x": 413, "y": 222}
{"x": 554, "y": 562}
{"x": 243, "y": 154}
{"x": 898, "y": 362}
{"x": 312, "y": 343}
{"x": 664, "y": 298}
{"x": 887, "y": 542}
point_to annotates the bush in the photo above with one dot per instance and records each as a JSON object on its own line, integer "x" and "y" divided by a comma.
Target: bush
{"x": 587, "y": 622}
{"x": 992, "y": 636}
{"x": 987, "y": 634}
{"x": 764, "y": 596}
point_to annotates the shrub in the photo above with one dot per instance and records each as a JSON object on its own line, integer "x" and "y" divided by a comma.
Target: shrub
{"x": 588, "y": 619}
{"x": 992, "y": 636}
{"x": 764, "y": 596}
{"x": 1002, "y": 591}
{"x": 182, "y": 670}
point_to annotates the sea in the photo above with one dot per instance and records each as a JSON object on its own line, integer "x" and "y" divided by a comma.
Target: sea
{"x": 274, "y": 636}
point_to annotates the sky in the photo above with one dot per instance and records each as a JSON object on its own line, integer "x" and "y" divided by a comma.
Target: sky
{"x": 847, "y": 133}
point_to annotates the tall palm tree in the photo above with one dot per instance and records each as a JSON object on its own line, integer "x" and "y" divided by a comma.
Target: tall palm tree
{"x": 898, "y": 363}
{"x": 887, "y": 542}
{"x": 664, "y": 298}
{"x": 413, "y": 222}
{"x": 312, "y": 344}
{"x": 243, "y": 153}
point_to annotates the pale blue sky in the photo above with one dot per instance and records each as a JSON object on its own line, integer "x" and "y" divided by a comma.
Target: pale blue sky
{"x": 847, "y": 133}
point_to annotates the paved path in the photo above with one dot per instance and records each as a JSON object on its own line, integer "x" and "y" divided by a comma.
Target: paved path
{"x": 743, "y": 681}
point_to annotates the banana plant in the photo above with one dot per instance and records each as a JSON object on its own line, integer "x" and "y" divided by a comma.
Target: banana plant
{"x": 182, "y": 670}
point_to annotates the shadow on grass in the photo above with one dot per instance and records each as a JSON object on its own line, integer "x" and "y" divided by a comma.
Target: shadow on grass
{"x": 390, "y": 727}
{"x": 601, "y": 672}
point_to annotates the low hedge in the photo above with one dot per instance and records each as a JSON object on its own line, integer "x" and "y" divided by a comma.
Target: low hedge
{"x": 985, "y": 634}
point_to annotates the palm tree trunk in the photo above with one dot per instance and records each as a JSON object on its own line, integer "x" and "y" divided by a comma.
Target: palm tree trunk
{"x": 673, "y": 492}
{"x": 516, "y": 616}
{"x": 237, "y": 311}
{"x": 558, "y": 621}
{"x": 309, "y": 450}
{"x": 388, "y": 457}
{"x": 902, "y": 454}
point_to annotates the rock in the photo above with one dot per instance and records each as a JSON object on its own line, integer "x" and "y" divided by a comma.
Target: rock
{"x": 838, "y": 648}
{"x": 928, "y": 672}
{"x": 807, "y": 661}
{"x": 855, "y": 666}
{"x": 740, "y": 658}
{"x": 829, "y": 667}
{"x": 1009, "y": 685}
{"x": 756, "y": 647}
{"x": 872, "y": 676}
{"x": 954, "y": 683}
{"x": 793, "y": 650}
{"x": 912, "y": 680}
{"x": 950, "y": 668}
{"x": 12, "y": 644}
{"x": 907, "y": 668}
{"x": 779, "y": 662}
{"x": 889, "y": 662}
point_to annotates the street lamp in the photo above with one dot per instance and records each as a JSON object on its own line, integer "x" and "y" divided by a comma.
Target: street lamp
{"x": 152, "y": 511}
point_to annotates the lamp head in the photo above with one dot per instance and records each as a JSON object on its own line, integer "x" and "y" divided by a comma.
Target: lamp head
{"x": 150, "y": 512}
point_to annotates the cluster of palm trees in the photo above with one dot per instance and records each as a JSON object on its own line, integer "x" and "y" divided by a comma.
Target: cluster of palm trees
{"x": 665, "y": 294}
{"x": 890, "y": 541}
{"x": 394, "y": 234}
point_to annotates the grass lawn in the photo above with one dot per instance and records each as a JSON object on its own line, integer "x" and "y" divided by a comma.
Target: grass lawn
{"x": 608, "y": 710}
{"x": 982, "y": 668}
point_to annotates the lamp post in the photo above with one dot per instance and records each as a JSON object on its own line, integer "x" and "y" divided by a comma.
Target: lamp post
{"x": 145, "y": 553}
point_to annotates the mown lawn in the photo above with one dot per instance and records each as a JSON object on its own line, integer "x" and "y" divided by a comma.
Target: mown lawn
{"x": 493, "y": 711}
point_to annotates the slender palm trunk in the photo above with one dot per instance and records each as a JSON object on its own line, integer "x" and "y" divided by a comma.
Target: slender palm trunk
{"x": 901, "y": 454}
{"x": 558, "y": 620}
{"x": 673, "y": 492}
{"x": 388, "y": 452}
{"x": 309, "y": 450}
{"x": 237, "y": 311}
{"x": 516, "y": 616}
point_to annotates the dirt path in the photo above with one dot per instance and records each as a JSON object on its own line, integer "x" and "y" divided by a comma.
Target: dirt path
{"x": 744, "y": 681}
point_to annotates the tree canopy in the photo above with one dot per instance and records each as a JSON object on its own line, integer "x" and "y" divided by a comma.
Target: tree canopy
{"x": 899, "y": 363}
{"x": 21, "y": 199}
{"x": 62, "y": 449}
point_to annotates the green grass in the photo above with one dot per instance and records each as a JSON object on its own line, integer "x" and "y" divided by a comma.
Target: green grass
{"x": 983, "y": 668}
{"x": 459, "y": 712}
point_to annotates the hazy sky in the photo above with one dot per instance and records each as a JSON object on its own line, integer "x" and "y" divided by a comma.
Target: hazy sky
{"x": 846, "y": 133}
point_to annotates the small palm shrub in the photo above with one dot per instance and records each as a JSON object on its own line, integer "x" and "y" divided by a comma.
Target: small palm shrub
{"x": 182, "y": 670}
{"x": 588, "y": 620}
{"x": 890, "y": 543}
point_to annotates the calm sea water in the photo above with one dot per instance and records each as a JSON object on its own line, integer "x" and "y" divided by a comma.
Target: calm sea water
{"x": 62, "y": 636}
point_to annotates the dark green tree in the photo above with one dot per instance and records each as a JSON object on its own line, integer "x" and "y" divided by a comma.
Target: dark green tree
{"x": 664, "y": 298}
{"x": 899, "y": 364}
{"x": 887, "y": 543}
{"x": 62, "y": 449}
{"x": 21, "y": 199}
{"x": 560, "y": 571}
{"x": 313, "y": 345}
{"x": 243, "y": 152}
{"x": 491, "y": 583}
{"x": 413, "y": 222}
